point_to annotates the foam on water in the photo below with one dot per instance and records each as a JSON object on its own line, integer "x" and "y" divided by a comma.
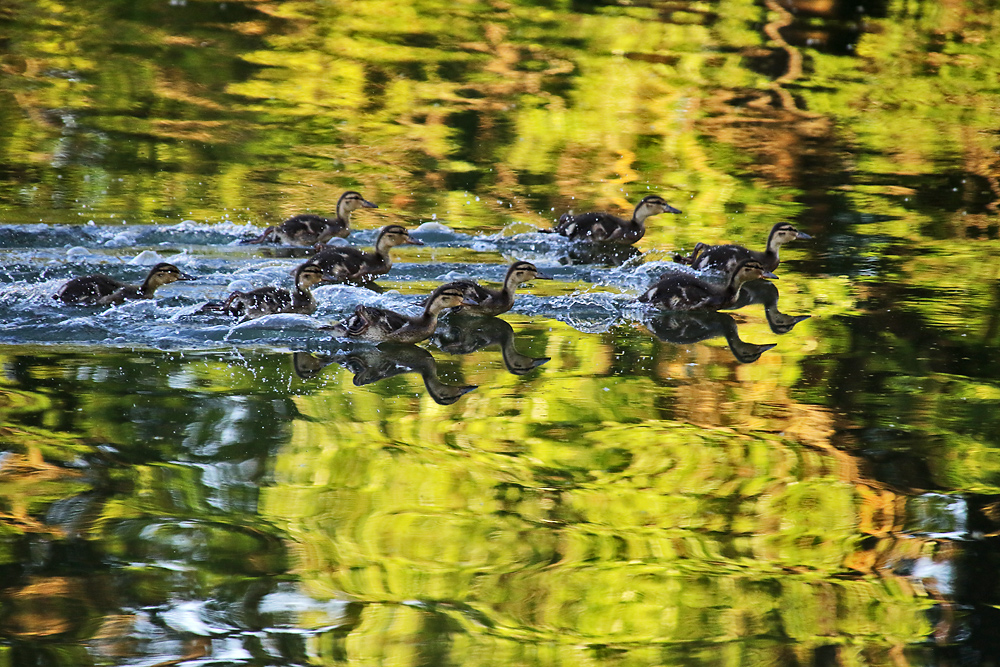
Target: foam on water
{"x": 38, "y": 259}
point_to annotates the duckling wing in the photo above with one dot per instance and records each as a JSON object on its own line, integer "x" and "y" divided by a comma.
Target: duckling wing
{"x": 266, "y": 300}
{"x": 591, "y": 226}
{"x": 121, "y": 295}
{"x": 681, "y": 292}
{"x": 367, "y": 317}
{"x": 87, "y": 290}
{"x": 305, "y": 228}
{"x": 342, "y": 262}
{"x": 721, "y": 257}
{"x": 471, "y": 290}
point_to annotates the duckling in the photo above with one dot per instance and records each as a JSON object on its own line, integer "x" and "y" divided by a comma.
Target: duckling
{"x": 308, "y": 229}
{"x": 686, "y": 328}
{"x": 102, "y": 290}
{"x": 269, "y": 300}
{"x": 391, "y": 359}
{"x": 379, "y": 324}
{"x": 726, "y": 257}
{"x": 464, "y": 336}
{"x": 494, "y": 302}
{"x": 348, "y": 264}
{"x": 682, "y": 291}
{"x": 610, "y": 228}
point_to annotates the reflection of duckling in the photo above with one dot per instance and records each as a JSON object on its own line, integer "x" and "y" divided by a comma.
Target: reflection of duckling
{"x": 346, "y": 263}
{"x": 685, "y": 328}
{"x": 390, "y": 359}
{"x": 683, "y": 291}
{"x": 463, "y": 336}
{"x": 599, "y": 226}
{"x": 379, "y": 324}
{"x": 269, "y": 300}
{"x": 762, "y": 291}
{"x": 307, "y": 365}
{"x": 102, "y": 290}
{"x": 494, "y": 302}
{"x": 726, "y": 257}
{"x": 308, "y": 229}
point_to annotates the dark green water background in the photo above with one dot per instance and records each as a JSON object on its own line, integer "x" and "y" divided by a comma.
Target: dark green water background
{"x": 173, "y": 492}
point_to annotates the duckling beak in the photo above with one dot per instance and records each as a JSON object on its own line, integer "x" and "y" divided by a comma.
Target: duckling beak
{"x": 468, "y": 302}
{"x": 768, "y": 274}
{"x": 413, "y": 241}
{"x": 670, "y": 209}
{"x": 367, "y": 204}
{"x": 802, "y": 235}
{"x": 542, "y": 276}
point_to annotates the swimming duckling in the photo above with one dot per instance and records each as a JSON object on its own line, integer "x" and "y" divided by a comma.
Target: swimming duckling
{"x": 269, "y": 300}
{"x": 686, "y": 328}
{"x": 494, "y": 302}
{"x": 464, "y": 336}
{"x": 308, "y": 229}
{"x": 379, "y": 324}
{"x": 102, "y": 290}
{"x": 610, "y": 228}
{"x": 726, "y": 257}
{"x": 682, "y": 291}
{"x": 348, "y": 264}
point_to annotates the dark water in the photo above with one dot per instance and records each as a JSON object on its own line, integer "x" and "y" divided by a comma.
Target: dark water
{"x": 810, "y": 479}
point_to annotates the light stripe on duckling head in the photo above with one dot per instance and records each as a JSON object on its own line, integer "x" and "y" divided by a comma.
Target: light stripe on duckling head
{"x": 395, "y": 235}
{"x": 522, "y": 272}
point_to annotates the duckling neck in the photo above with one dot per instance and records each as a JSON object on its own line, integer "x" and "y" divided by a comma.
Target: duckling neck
{"x": 506, "y": 294}
{"x": 149, "y": 287}
{"x": 732, "y": 291}
{"x": 344, "y": 213}
{"x": 773, "y": 245}
{"x": 381, "y": 252}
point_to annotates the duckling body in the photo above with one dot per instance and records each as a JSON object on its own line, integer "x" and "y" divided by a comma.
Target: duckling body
{"x": 270, "y": 300}
{"x": 379, "y": 324}
{"x": 608, "y": 228}
{"x": 682, "y": 291}
{"x": 309, "y": 229}
{"x": 726, "y": 257}
{"x": 492, "y": 302}
{"x": 102, "y": 290}
{"x": 348, "y": 264}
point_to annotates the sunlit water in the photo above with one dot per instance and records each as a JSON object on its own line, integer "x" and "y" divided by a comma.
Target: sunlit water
{"x": 808, "y": 479}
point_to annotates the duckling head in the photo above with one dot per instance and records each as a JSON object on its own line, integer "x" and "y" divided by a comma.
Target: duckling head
{"x": 394, "y": 235}
{"x": 751, "y": 269}
{"x": 351, "y": 201}
{"x": 784, "y": 232}
{"x": 164, "y": 273}
{"x": 307, "y": 275}
{"x": 522, "y": 272}
{"x": 448, "y": 297}
{"x": 652, "y": 205}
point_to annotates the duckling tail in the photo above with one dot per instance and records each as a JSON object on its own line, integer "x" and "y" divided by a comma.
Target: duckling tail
{"x": 263, "y": 238}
